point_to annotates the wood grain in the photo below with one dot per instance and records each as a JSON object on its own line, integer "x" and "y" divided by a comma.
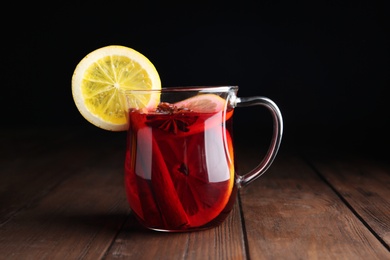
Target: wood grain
{"x": 62, "y": 197}
{"x": 222, "y": 242}
{"x": 292, "y": 212}
{"x": 67, "y": 202}
{"x": 364, "y": 184}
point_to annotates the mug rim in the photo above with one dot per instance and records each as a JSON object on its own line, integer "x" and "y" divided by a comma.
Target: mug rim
{"x": 210, "y": 88}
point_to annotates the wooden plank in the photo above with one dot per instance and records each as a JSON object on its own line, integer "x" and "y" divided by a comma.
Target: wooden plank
{"x": 76, "y": 219}
{"x": 365, "y": 185}
{"x": 65, "y": 198}
{"x": 291, "y": 213}
{"x": 32, "y": 175}
{"x": 222, "y": 242}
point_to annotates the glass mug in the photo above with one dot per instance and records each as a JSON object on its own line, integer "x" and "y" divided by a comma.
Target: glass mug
{"x": 179, "y": 166}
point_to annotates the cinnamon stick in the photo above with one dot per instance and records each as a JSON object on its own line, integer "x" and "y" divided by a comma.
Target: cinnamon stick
{"x": 165, "y": 193}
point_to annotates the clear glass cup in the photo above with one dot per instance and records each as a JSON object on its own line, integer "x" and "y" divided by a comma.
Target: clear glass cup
{"x": 179, "y": 167}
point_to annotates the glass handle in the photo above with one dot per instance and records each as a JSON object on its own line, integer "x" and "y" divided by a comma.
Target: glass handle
{"x": 273, "y": 148}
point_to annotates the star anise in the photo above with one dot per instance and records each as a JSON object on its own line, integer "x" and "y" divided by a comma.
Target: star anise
{"x": 171, "y": 118}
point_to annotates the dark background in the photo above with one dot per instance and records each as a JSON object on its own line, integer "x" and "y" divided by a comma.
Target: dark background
{"x": 325, "y": 63}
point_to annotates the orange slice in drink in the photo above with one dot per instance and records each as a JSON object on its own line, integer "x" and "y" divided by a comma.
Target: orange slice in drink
{"x": 211, "y": 104}
{"x": 202, "y": 174}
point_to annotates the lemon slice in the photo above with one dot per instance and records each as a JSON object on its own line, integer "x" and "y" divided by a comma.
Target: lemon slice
{"x": 99, "y": 82}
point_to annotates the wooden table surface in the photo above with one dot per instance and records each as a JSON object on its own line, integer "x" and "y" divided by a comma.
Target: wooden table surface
{"x": 62, "y": 197}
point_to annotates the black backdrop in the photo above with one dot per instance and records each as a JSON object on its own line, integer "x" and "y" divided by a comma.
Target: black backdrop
{"x": 325, "y": 63}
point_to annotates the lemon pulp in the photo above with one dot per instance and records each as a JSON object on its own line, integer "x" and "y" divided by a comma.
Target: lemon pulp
{"x": 100, "y": 79}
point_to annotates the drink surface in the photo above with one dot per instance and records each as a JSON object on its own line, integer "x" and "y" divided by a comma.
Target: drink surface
{"x": 179, "y": 168}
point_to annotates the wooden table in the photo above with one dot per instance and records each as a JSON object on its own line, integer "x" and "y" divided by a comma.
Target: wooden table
{"x": 62, "y": 197}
